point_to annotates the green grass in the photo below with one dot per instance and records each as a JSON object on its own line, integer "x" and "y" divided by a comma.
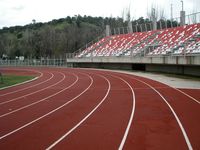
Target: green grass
{"x": 8, "y": 80}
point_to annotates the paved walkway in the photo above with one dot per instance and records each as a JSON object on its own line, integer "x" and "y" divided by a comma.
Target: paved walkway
{"x": 176, "y": 82}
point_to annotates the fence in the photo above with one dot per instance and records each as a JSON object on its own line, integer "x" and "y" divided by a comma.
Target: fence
{"x": 34, "y": 62}
{"x": 1, "y": 78}
{"x": 161, "y": 24}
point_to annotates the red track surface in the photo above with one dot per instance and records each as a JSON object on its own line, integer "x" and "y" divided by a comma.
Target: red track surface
{"x": 91, "y": 109}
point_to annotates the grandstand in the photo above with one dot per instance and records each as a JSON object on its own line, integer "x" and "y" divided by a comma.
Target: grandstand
{"x": 170, "y": 50}
{"x": 183, "y": 40}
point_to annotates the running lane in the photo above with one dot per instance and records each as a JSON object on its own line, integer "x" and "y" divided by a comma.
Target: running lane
{"x": 92, "y": 109}
{"x": 31, "y": 95}
{"x": 30, "y": 109}
{"x": 103, "y": 128}
{"x": 69, "y": 108}
{"x": 39, "y": 74}
{"x": 186, "y": 108}
{"x": 194, "y": 93}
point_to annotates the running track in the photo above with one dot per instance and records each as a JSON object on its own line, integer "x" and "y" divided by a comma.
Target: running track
{"x": 92, "y": 109}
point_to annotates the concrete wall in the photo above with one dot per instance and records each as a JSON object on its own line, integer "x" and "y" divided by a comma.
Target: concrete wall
{"x": 175, "y": 69}
{"x": 189, "y": 65}
{"x": 171, "y": 60}
{"x": 104, "y": 65}
{"x": 165, "y": 68}
{"x": 192, "y": 70}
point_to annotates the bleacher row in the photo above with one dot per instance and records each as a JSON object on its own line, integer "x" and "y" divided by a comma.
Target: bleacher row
{"x": 184, "y": 40}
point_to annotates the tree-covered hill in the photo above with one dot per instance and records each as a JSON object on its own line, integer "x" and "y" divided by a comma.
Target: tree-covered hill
{"x": 54, "y": 38}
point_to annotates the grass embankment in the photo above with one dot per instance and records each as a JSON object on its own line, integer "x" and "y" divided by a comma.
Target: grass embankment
{"x": 8, "y": 80}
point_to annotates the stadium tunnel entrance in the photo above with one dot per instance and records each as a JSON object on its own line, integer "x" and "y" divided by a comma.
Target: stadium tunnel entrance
{"x": 139, "y": 67}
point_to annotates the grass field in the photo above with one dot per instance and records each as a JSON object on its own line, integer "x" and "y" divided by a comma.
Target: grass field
{"x": 8, "y": 80}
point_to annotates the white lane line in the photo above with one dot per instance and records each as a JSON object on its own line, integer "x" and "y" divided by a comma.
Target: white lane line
{"x": 172, "y": 110}
{"x": 85, "y": 118}
{"x": 161, "y": 87}
{"x": 131, "y": 116}
{"x": 176, "y": 117}
{"x": 117, "y": 71}
{"x": 14, "y": 99}
{"x": 49, "y": 113}
{"x": 41, "y": 74}
{"x": 187, "y": 95}
{"x": 26, "y": 87}
{"x": 26, "y": 106}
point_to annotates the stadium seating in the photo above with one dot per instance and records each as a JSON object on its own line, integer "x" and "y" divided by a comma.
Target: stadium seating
{"x": 184, "y": 40}
{"x": 180, "y": 40}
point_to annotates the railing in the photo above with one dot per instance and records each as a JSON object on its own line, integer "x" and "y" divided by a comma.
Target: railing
{"x": 86, "y": 46}
{"x": 161, "y": 24}
{"x": 34, "y": 62}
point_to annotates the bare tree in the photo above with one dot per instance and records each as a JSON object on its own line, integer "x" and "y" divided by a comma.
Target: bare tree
{"x": 152, "y": 13}
{"x": 161, "y": 13}
{"x": 194, "y": 16}
{"x": 126, "y": 14}
{"x": 122, "y": 14}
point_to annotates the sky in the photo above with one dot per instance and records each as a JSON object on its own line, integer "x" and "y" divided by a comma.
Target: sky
{"x": 22, "y": 12}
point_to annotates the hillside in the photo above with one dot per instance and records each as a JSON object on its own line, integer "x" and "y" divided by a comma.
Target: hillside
{"x": 54, "y": 38}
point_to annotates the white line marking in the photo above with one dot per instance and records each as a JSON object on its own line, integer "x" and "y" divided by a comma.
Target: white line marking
{"x": 187, "y": 95}
{"x": 51, "y": 112}
{"x": 131, "y": 117}
{"x": 85, "y": 118}
{"x": 177, "y": 119}
{"x": 41, "y": 74}
{"x": 172, "y": 110}
{"x": 28, "y": 86}
{"x": 14, "y": 99}
{"x": 158, "y": 81}
{"x": 16, "y": 110}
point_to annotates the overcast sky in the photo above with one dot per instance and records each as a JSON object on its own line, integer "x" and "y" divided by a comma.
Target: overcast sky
{"x": 21, "y": 12}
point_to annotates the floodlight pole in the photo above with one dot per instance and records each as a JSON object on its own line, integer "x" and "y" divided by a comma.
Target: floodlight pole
{"x": 171, "y": 12}
{"x": 182, "y": 16}
{"x": 182, "y": 4}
